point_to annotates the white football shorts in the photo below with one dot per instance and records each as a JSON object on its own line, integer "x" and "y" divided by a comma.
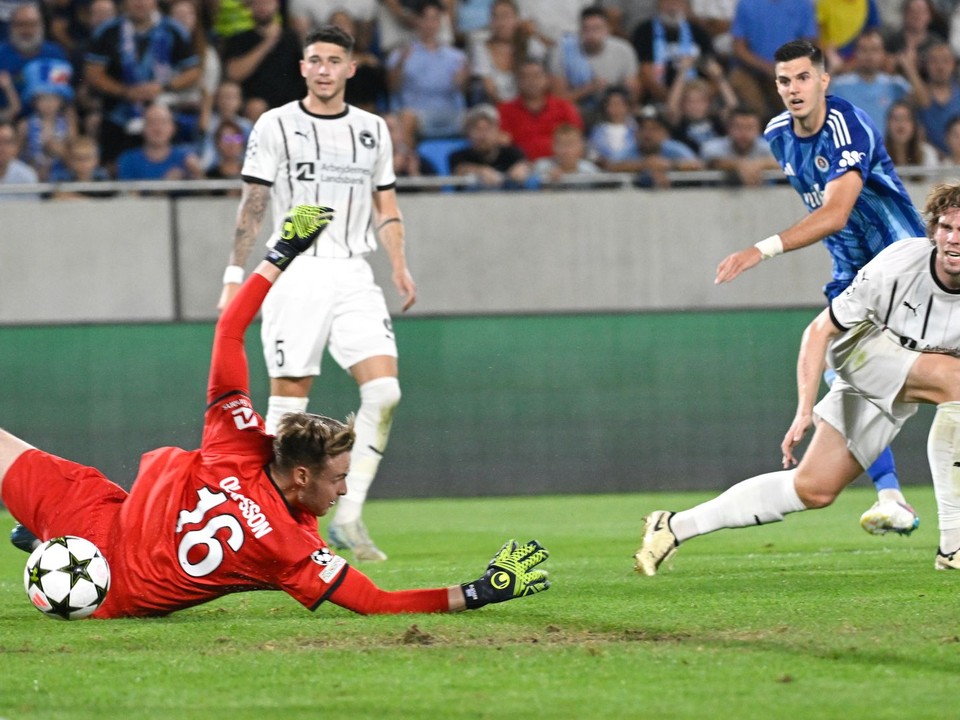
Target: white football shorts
{"x": 862, "y": 402}
{"x": 324, "y": 302}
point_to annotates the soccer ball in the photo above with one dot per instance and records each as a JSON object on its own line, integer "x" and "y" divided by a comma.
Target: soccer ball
{"x": 67, "y": 577}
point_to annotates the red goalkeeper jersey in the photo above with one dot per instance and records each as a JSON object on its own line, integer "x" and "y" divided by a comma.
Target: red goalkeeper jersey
{"x": 204, "y": 523}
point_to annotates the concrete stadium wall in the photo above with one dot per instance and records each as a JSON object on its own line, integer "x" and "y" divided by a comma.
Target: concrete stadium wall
{"x": 124, "y": 260}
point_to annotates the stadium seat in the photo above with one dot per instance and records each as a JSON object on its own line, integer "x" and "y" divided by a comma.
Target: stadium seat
{"x": 438, "y": 150}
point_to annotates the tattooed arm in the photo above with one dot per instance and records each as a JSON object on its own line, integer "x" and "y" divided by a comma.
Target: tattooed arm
{"x": 253, "y": 207}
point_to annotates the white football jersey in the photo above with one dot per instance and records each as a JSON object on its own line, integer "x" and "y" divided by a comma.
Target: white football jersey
{"x": 899, "y": 292}
{"x": 333, "y": 160}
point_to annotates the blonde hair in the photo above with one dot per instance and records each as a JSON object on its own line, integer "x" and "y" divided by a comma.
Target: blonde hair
{"x": 305, "y": 439}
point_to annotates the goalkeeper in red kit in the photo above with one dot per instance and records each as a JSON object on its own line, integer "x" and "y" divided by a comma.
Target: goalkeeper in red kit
{"x": 241, "y": 512}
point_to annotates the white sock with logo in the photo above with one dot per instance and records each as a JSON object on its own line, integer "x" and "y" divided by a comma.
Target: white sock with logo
{"x": 757, "y": 501}
{"x": 378, "y": 400}
{"x": 280, "y": 405}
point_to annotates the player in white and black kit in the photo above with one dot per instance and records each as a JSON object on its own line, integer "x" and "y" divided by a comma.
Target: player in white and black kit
{"x": 893, "y": 337}
{"x": 321, "y": 151}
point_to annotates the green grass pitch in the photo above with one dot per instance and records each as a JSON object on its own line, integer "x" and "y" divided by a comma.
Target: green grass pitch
{"x": 809, "y": 618}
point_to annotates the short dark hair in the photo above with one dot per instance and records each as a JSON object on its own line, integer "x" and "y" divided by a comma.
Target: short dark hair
{"x": 796, "y": 49}
{"x": 593, "y": 11}
{"x": 330, "y": 34}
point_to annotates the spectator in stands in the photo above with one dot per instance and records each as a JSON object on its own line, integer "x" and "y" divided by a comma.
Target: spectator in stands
{"x": 696, "y": 110}
{"x": 7, "y": 11}
{"x": 472, "y": 21}
{"x": 759, "y": 28}
{"x": 81, "y": 164}
{"x": 305, "y": 15}
{"x": 427, "y": 79}
{"x": 583, "y": 65}
{"x": 265, "y": 60}
{"x": 938, "y": 98}
{"x": 227, "y": 103}
{"x": 550, "y": 20}
{"x": 230, "y": 18}
{"x": 13, "y": 171}
{"x": 867, "y": 85}
{"x": 668, "y": 44}
{"x": 158, "y": 159}
{"x": 192, "y": 106}
{"x": 918, "y": 29}
{"x": 253, "y": 108}
{"x": 407, "y": 162}
{"x": 659, "y": 155}
{"x": 626, "y": 15}
{"x": 493, "y": 164}
{"x": 905, "y": 139}
{"x": 132, "y": 60}
{"x": 614, "y": 138}
{"x": 10, "y": 105}
{"x": 367, "y": 88}
{"x": 743, "y": 154}
{"x": 51, "y": 122}
{"x": 231, "y": 142}
{"x": 840, "y": 25}
{"x": 27, "y": 42}
{"x": 494, "y": 59}
{"x": 530, "y": 119}
{"x": 568, "y": 159}
{"x": 397, "y": 23}
{"x": 952, "y": 156}
{"x": 88, "y": 102}
{"x": 716, "y": 17}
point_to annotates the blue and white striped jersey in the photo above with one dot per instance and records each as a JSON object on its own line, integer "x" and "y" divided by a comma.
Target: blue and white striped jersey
{"x": 848, "y": 141}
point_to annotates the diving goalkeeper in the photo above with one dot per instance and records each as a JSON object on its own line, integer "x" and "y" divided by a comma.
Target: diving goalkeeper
{"x": 241, "y": 512}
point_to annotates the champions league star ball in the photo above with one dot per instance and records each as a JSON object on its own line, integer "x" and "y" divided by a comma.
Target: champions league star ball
{"x": 67, "y": 578}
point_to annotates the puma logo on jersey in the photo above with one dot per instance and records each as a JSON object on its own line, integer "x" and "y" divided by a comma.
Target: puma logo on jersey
{"x": 912, "y": 308}
{"x": 301, "y": 134}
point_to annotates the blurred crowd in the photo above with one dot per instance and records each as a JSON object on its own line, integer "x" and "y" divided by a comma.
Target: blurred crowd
{"x": 510, "y": 93}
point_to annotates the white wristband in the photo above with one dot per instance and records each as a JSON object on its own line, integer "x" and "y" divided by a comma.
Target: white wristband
{"x": 770, "y": 247}
{"x": 233, "y": 274}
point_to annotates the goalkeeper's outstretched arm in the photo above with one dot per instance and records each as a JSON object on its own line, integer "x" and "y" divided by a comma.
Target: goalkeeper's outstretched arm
{"x": 510, "y": 574}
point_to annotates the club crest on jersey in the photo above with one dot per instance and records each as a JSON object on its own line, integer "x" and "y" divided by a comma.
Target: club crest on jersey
{"x": 367, "y": 139}
{"x": 821, "y": 162}
{"x": 323, "y": 556}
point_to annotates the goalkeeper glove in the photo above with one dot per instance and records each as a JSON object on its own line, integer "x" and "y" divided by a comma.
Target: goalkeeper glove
{"x": 509, "y": 575}
{"x": 300, "y": 228}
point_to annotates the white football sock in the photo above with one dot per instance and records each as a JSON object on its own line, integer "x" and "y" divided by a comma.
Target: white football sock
{"x": 280, "y": 405}
{"x": 757, "y": 501}
{"x": 378, "y": 400}
{"x": 943, "y": 452}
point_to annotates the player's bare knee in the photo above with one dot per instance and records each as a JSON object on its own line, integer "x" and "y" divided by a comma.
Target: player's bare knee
{"x": 813, "y": 495}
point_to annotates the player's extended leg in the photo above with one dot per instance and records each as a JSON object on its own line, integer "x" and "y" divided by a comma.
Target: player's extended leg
{"x": 935, "y": 379}
{"x": 12, "y": 447}
{"x": 379, "y": 397}
{"x": 891, "y": 512}
{"x": 827, "y": 467}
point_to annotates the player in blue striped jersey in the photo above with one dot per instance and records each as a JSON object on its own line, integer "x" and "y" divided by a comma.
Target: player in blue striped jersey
{"x": 834, "y": 156}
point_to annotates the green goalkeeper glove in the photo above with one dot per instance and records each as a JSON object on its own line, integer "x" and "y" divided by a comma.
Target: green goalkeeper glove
{"x": 509, "y": 575}
{"x": 300, "y": 228}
